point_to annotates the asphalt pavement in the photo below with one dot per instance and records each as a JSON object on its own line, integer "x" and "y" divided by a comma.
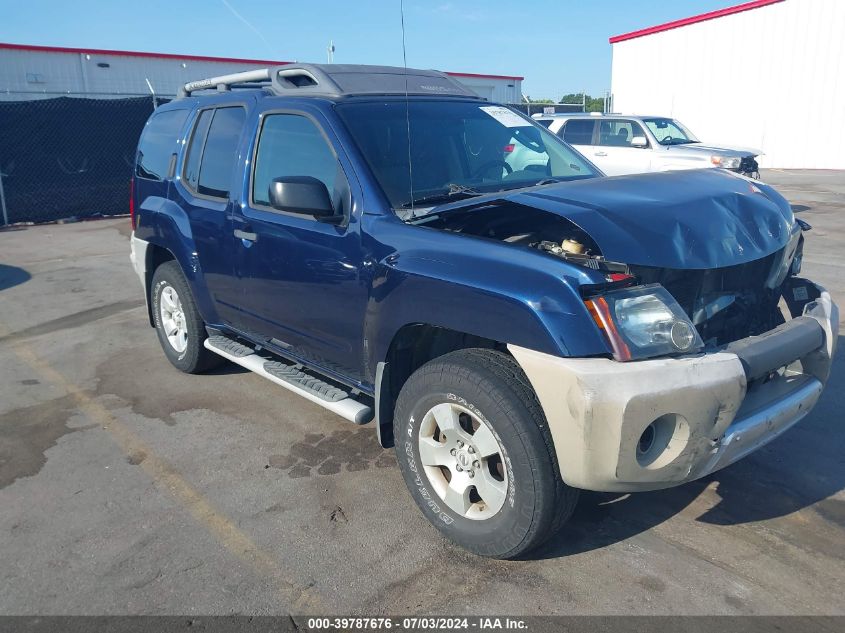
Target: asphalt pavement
{"x": 127, "y": 487}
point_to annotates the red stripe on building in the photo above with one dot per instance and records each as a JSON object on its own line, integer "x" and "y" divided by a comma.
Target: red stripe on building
{"x": 197, "y": 58}
{"x": 712, "y": 15}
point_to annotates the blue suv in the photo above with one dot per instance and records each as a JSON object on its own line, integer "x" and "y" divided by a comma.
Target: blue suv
{"x": 374, "y": 239}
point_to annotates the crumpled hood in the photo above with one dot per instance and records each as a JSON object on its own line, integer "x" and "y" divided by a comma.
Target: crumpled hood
{"x": 704, "y": 218}
{"x": 694, "y": 219}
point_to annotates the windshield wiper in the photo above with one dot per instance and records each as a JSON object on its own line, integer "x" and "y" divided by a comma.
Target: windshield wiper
{"x": 455, "y": 192}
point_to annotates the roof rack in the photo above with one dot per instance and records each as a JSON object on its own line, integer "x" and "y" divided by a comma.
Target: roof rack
{"x": 336, "y": 80}
{"x": 227, "y": 82}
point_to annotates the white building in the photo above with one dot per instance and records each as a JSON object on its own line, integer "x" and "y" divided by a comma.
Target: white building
{"x": 768, "y": 74}
{"x": 29, "y": 72}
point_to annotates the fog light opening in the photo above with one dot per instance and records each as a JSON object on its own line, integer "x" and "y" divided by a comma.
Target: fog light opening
{"x": 646, "y": 440}
{"x": 662, "y": 441}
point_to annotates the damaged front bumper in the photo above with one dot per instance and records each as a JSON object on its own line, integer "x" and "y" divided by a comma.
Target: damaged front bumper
{"x": 659, "y": 423}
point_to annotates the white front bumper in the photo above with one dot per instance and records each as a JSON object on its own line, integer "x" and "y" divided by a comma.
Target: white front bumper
{"x": 597, "y": 410}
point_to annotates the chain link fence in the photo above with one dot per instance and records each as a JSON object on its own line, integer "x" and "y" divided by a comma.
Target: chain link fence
{"x": 69, "y": 156}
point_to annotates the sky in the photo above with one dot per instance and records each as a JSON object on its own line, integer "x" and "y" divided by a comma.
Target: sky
{"x": 558, "y": 46}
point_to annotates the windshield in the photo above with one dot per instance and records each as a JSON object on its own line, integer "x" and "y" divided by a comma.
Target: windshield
{"x": 670, "y": 132}
{"x": 458, "y": 149}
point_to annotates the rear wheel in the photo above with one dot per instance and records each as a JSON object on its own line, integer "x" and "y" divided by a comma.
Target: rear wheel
{"x": 179, "y": 326}
{"x": 477, "y": 456}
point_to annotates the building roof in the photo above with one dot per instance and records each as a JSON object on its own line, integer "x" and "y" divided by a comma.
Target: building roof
{"x": 199, "y": 58}
{"x": 703, "y": 17}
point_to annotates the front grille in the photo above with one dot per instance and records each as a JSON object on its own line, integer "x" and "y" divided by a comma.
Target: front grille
{"x": 753, "y": 309}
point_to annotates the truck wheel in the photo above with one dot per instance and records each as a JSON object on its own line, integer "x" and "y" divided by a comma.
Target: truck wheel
{"x": 180, "y": 328}
{"x": 476, "y": 453}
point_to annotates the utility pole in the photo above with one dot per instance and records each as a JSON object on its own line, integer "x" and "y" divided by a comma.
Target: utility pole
{"x": 330, "y": 51}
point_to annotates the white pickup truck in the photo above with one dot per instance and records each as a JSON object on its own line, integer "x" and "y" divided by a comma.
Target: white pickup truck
{"x": 621, "y": 144}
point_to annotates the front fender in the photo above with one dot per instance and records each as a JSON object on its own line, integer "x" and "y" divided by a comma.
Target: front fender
{"x": 479, "y": 287}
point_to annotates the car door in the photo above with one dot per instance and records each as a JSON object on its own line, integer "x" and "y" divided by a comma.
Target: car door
{"x": 301, "y": 278}
{"x": 579, "y": 133}
{"x": 208, "y": 174}
{"x": 615, "y": 151}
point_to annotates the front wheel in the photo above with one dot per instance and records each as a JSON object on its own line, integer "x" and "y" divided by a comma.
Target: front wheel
{"x": 476, "y": 453}
{"x": 180, "y": 328}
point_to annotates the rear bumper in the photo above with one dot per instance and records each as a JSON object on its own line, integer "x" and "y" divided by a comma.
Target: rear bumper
{"x": 704, "y": 412}
{"x": 138, "y": 257}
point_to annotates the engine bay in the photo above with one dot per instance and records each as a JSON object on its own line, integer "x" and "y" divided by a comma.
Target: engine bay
{"x": 724, "y": 304}
{"x": 528, "y": 227}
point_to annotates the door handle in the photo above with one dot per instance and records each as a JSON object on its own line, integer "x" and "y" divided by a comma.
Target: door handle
{"x": 245, "y": 235}
{"x": 600, "y": 154}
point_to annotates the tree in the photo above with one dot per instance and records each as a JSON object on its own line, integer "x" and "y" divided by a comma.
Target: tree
{"x": 594, "y": 104}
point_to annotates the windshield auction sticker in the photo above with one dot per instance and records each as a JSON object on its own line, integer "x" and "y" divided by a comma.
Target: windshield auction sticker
{"x": 506, "y": 117}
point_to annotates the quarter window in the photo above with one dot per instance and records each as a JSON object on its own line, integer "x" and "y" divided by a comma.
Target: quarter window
{"x": 158, "y": 143}
{"x": 292, "y": 145}
{"x": 578, "y": 132}
{"x": 213, "y": 151}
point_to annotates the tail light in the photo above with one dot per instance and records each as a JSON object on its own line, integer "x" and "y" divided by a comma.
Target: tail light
{"x": 508, "y": 148}
{"x": 132, "y": 202}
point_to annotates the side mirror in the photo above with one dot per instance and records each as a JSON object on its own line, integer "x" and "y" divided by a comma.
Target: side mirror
{"x": 302, "y": 194}
{"x": 639, "y": 141}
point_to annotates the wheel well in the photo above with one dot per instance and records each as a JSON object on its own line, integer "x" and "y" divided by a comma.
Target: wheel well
{"x": 156, "y": 256}
{"x": 411, "y": 348}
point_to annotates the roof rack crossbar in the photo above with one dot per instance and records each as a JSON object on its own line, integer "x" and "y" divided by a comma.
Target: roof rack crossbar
{"x": 224, "y": 82}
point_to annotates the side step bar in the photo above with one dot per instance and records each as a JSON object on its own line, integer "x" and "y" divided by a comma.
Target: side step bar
{"x": 292, "y": 378}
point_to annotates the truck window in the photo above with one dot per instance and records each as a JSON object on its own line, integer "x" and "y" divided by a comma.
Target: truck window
{"x": 213, "y": 151}
{"x": 578, "y": 132}
{"x": 158, "y": 143}
{"x": 449, "y": 143}
{"x": 291, "y": 145}
{"x": 670, "y": 132}
{"x": 618, "y": 133}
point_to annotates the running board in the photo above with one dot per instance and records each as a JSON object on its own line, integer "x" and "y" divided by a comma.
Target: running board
{"x": 292, "y": 378}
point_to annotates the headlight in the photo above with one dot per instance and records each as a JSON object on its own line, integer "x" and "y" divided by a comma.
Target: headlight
{"x": 643, "y": 322}
{"x": 726, "y": 162}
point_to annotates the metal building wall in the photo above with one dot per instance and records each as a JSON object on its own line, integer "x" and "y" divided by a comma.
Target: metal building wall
{"x": 48, "y": 72}
{"x": 33, "y": 71}
{"x": 771, "y": 78}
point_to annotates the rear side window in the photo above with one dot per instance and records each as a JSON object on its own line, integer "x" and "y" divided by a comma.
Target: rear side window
{"x": 158, "y": 143}
{"x": 578, "y": 132}
{"x": 192, "y": 162}
{"x": 544, "y": 122}
{"x": 213, "y": 151}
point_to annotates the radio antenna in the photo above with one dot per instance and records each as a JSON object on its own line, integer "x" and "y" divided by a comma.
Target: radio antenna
{"x": 407, "y": 107}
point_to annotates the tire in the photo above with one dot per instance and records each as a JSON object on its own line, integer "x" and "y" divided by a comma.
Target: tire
{"x": 185, "y": 349}
{"x": 516, "y": 499}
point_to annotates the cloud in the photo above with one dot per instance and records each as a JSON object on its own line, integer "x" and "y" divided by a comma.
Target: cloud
{"x": 250, "y": 26}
